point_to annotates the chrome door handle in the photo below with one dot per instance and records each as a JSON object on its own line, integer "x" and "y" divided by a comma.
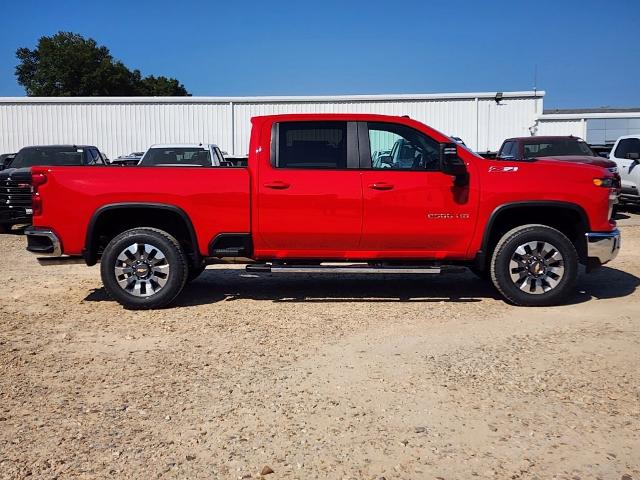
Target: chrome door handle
{"x": 381, "y": 186}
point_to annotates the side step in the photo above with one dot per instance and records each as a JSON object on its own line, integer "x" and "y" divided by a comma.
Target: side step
{"x": 353, "y": 269}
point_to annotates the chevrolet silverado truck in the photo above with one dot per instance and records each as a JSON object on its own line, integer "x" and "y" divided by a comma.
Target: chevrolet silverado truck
{"x": 311, "y": 200}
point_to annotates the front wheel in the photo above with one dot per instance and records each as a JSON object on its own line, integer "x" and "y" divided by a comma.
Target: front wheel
{"x": 534, "y": 265}
{"x": 144, "y": 268}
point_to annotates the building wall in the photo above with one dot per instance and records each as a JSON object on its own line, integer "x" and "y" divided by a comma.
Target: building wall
{"x": 595, "y": 128}
{"x": 121, "y": 125}
{"x": 562, "y": 127}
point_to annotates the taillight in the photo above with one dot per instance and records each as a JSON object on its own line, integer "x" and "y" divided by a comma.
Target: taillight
{"x": 37, "y": 180}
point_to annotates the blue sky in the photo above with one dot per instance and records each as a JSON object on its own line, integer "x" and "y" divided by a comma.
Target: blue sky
{"x": 587, "y": 52}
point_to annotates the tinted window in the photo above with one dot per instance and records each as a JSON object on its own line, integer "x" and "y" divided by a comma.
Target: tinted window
{"x": 626, "y": 146}
{"x": 508, "y": 150}
{"x": 318, "y": 145}
{"x": 32, "y": 156}
{"x": 170, "y": 156}
{"x": 402, "y": 148}
{"x": 557, "y": 148}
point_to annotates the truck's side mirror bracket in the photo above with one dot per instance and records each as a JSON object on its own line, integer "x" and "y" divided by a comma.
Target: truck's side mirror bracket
{"x": 452, "y": 164}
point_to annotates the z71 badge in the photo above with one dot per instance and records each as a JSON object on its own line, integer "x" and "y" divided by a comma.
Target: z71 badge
{"x": 502, "y": 169}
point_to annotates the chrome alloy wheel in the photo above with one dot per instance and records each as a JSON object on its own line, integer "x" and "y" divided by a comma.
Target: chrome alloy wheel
{"x": 536, "y": 267}
{"x": 142, "y": 270}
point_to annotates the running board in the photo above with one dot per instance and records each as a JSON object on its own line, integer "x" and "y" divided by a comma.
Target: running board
{"x": 353, "y": 269}
{"x": 50, "y": 261}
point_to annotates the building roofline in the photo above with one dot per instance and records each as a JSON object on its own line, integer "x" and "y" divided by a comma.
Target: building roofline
{"x": 554, "y": 111}
{"x": 585, "y": 116}
{"x": 276, "y": 99}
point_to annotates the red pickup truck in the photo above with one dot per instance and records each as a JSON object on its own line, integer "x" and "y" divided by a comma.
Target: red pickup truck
{"x": 359, "y": 194}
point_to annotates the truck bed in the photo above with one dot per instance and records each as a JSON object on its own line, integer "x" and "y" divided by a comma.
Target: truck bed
{"x": 214, "y": 199}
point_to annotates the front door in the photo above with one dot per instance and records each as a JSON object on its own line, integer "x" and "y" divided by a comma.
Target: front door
{"x": 629, "y": 167}
{"x": 411, "y": 209}
{"x": 309, "y": 194}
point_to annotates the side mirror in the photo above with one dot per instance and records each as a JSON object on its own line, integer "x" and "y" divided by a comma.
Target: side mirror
{"x": 386, "y": 159}
{"x": 633, "y": 156}
{"x": 450, "y": 162}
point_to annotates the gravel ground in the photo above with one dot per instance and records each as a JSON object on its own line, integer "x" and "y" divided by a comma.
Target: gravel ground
{"x": 318, "y": 377}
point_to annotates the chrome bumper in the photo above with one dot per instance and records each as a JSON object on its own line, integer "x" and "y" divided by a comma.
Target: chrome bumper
{"x": 603, "y": 247}
{"x": 43, "y": 242}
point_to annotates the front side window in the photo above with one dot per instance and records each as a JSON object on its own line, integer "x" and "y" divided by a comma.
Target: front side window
{"x": 627, "y": 146}
{"x": 312, "y": 145}
{"x": 188, "y": 156}
{"x": 399, "y": 147}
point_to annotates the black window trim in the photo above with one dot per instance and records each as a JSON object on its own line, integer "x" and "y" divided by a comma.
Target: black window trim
{"x": 353, "y": 154}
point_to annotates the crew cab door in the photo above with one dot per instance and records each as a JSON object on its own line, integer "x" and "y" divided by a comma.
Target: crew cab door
{"x": 625, "y": 155}
{"x": 309, "y": 191}
{"x": 411, "y": 209}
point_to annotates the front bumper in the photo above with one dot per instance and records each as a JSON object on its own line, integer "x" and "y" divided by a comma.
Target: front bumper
{"x": 43, "y": 242}
{"x": 602, "y": 247}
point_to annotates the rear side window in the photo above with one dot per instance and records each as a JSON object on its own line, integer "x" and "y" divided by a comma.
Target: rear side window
{"x": 311, "y": 145}
{"x": 626, "y": 146}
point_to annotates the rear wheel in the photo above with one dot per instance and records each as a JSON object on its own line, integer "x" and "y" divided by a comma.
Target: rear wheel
{"x": 144, "y": 268}
{"x": 534, "y": 265}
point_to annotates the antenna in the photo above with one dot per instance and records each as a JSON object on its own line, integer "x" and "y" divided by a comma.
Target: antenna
{"x": 535, "y": 80}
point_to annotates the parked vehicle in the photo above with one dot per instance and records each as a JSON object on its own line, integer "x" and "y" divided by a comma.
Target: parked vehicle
{"x": 626, "y": 154}
{"x": 457, "y": 140}
{"x": 182, "y": 155}
{"x": 311, "y": 195}
{"x": 565, "y": 149}
{"x": 130, "y": 159}
{"x": 15, "y": 187}
{"x": 601, "y": 150}
{"x": 6, "y": 159}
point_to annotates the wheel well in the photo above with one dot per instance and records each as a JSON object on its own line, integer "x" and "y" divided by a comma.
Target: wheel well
{"x": 109, "y": 222}
{"x": 569, "y": 220}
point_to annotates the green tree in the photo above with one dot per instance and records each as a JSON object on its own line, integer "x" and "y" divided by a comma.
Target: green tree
{"x": 66, "y": 64}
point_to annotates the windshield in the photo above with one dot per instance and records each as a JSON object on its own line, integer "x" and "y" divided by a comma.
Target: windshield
{"x": 557, "y": 148}
{"x": 177, "y": 156}
{"x": 48, "y": 156}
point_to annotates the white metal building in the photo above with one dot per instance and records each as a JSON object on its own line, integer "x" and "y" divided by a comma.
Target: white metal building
{"x": 597, "y": 126}
{"x": 119, "y": 125}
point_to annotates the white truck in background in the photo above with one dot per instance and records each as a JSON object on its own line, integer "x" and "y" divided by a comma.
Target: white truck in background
{"x": 626, "y": 154}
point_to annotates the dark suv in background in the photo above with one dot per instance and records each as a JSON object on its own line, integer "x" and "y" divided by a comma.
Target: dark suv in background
{"x": 15, "y": 181}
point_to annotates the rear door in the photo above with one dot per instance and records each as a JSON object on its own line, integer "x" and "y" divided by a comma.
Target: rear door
{"x": 411, "y": 209}
{"x": 309, "y": 193}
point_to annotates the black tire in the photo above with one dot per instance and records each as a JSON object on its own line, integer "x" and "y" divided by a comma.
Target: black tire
{"x": 195, "y": 272}
{"x": 5, "y": 227}
{"x": 546, "y": 281}
{"x": 170, "y": 260}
